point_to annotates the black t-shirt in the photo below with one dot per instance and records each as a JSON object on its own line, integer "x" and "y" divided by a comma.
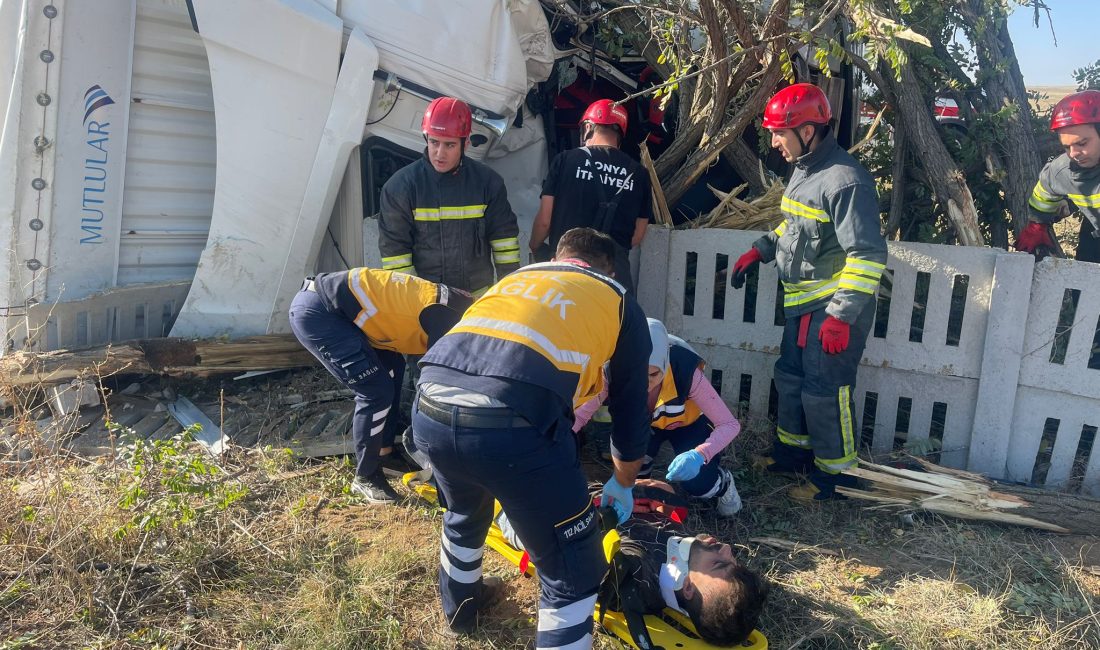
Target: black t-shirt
{"x": 583, "y": 181}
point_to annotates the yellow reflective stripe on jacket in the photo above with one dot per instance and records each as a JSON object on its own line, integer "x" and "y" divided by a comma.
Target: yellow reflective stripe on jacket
{"x": 1085, "y": 200}
{"x": 861, "y": 275}
{"x": 397, "y": 262}
{"x": 800, "y": 293}
{"x": 1042, "y": 200}
{"x": 505, "y": 251}
{"x": 450, "y": 212}
{"x": 803, "y": 210}
{"x": 780, "y": 229}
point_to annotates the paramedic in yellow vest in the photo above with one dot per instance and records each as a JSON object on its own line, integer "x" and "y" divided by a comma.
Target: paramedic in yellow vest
{"x": 358, "y": 324}
{"x": 494, "y": 415}
{"x": 445, "y": 217}
{"x": 689, "y": 415}
{"x": 830, "y": 254}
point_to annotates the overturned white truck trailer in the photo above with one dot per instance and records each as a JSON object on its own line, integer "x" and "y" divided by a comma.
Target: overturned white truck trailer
{"x": 171, "y": 165}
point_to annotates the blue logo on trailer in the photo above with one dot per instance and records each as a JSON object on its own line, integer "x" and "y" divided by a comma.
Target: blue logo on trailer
{"x": 95, "y": 166}
{"x": 94, "y": 98}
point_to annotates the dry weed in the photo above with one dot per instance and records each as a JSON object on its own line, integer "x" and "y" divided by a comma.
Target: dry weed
{"x": 293, "y": 562}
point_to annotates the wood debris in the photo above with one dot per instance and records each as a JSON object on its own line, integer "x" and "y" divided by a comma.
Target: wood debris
{"x": 760, "y": 213}
{"x": 661, "y": 212}
{"x": 957, "y": 493}
{"x": 168, "y": 356}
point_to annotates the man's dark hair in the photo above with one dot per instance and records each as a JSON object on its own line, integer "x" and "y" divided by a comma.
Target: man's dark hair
{"x": 588, "y": 245}
{"x": 606, "y": 130}
{"x": 728, "y": 617}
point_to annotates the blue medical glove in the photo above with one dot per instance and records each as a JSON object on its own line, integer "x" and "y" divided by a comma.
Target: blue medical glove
{"x": 618, "y": 497}
{"x": 685, "y": 466}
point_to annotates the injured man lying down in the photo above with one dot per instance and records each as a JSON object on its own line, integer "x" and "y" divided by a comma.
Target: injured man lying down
{"x": 659, "y": 565}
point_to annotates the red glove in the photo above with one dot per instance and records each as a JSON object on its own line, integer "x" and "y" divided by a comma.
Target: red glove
{"x": 742, "y": 267}
{"x": 1033, "y": 236}
{"x": 833, "y": 335}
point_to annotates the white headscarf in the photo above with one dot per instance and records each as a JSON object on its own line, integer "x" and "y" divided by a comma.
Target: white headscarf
{"x": 658, "y": 335}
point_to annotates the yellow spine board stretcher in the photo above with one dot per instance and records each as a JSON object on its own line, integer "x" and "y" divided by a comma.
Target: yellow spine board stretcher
{"x": 661, "y": 632}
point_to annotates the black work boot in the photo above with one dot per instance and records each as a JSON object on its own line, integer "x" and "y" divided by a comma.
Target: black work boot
{"x": 785, "y": 459}
{"x": 374, "y": 489}
{"x": 492, "y": 590}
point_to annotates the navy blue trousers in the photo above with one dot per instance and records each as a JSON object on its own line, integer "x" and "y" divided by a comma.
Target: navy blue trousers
{"x": 816, "y": 393}
{"x": 538, "y": 480}
{"x": 374, "y": 375}
{"x": 685, "y": 439}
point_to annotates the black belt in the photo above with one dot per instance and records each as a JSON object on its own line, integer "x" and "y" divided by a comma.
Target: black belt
{"x": 471, "y": 417}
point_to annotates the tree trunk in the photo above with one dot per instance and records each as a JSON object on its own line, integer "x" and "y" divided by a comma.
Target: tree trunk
{"x": 958, "y": 493}
{"x": 713, "y": 145}
{"x": 746, "y": 163}
{"x": 897, "y": 179}
{"x": 948, "y": 181}
{"x": 1003, "y": 83}
{"x": 702, "y": 157}
{"x": 634, "y": 27}
{"x": 1074, "y": 512}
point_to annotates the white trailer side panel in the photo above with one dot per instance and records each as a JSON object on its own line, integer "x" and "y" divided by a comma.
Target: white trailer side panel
{"x": 171, "y": 152}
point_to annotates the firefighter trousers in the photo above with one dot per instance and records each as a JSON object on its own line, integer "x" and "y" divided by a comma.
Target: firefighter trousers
{"x": 816, "y": 405}
{"x": 480, "y": 453}
{"x": 374, "y": 375}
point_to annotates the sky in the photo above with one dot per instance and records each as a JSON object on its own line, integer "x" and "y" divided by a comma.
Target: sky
{"x": 1077, "y": 28}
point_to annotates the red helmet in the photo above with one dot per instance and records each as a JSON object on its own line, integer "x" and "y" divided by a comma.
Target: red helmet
{"x": 1078, "y": 108}
{"x": 796, "y": 105}
{"x": 447, "y": 117}
{"x": 604, "y": 111}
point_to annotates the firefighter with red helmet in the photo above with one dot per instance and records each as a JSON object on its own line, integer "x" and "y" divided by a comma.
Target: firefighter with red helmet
{"x": 445, "y": 217}
{"x": 596, "y": 186}
{"x": 830, "y": 254}
{"x": 1072, "y": 177}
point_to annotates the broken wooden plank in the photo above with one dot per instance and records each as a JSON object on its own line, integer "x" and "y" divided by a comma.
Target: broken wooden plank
{"x": 167, "y": 356}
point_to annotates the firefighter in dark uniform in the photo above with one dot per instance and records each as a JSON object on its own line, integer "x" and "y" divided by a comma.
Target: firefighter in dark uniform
{"x": 1071, "y": 178}
{"x": 445, "y": 217}
{"x": 358, "y": 323}
{"x": 830, "y": 254}
{"x": 494, "y": 415}
{"x": 596, "y": 186}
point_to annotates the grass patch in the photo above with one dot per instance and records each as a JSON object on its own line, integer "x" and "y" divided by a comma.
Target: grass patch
{"x": 165, "y": 548}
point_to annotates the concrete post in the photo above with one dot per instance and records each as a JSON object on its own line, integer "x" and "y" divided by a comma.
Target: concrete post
{"x": 1009, "y": 301}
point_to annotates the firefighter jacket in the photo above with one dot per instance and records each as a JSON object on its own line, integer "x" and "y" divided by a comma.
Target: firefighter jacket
{"x": 385, "y": 305}
{"x": 538, "y": 340}
{"x": 1062, "y": 180}
{"x": 829, "y": 250}
{"x": 674, "y": 407}
{"x": 450, "y": 228}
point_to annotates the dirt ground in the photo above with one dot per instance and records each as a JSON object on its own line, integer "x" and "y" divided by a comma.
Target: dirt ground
{"x": 164, "y": 547}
